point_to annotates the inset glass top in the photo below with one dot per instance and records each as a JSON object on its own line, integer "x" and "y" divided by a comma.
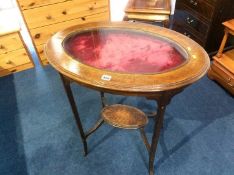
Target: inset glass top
{"x": 125, "y": 51}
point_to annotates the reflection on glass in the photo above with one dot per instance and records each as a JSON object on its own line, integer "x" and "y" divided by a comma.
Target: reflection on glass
{"x": 124, "y": 51}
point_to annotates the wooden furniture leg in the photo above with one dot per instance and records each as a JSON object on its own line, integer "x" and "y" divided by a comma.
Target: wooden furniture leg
{"x": 84, "y": 135}
{"x": 166, "y": 23}
{"x": 67, "y": 87}
{"x": 157, "y": 127}
{"x": 163, "y": 100}
{"x": 225, "y": 37}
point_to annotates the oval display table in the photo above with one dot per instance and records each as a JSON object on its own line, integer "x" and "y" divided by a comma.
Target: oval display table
{"x": 132, "y": 59}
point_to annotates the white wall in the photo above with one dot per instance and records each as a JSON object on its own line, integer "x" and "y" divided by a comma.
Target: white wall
{"x": 6, "y": 4}
{"x": 117, "y": 9}
{"x": 173, "y": 6}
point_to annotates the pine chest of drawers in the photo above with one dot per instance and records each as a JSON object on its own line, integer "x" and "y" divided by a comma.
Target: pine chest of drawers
{"x": 14, "y": 55}
{"x": 202, "y": 20}
{"x": 44, "y": 18}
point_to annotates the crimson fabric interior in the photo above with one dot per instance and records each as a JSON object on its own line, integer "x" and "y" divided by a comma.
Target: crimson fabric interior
{"x": 123, "y": 51}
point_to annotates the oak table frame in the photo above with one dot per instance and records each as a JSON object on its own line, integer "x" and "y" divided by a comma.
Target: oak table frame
{"x": 160, "y": 87}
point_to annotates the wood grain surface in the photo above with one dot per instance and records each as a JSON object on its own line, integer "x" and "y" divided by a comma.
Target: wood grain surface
{"x": 136, "y": 84}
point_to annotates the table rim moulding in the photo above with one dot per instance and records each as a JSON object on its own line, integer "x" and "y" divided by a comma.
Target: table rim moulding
{"x": 196, "y": 66}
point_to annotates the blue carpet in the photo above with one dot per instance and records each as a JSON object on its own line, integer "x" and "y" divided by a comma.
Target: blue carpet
{"x": 38, "y": 134}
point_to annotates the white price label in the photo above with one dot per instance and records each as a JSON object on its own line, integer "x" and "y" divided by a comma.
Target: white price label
{"x": 106, "y": 77}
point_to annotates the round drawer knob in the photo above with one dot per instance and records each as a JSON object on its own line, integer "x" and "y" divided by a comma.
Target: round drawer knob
{"x": 38, "y": 35}
{"x": 193, "y": 2}
{"x": 2, "y": 47}
{"x": 49, "y": 17}
{"x": 31, "y": 4}
{"x": 189, "y": 20}
{"x": 9, "y": 62}
{"x": 230, "y": 84}
{"x": 64, "y": 12}
{"x": 186, "y": 34}
{"x": 91, "y": 7}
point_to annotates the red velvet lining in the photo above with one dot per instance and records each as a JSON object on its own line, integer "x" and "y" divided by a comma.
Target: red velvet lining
{"x": 123, "y": 51}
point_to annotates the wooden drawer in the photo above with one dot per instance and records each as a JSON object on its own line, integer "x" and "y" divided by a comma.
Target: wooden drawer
{"x": 10, "y": 42}
{"x": 181, "y": 29}
{"x": 224, "y": 73}
{"x": 212, "y": 2}
{"x": 204, "y": 9}
{"x": 42, "y": 34}
{"x": 184, "y": 18}
{"x": 221, "y": 75}
{"x": 13, "y": 59}
{"x": 60, "y": 12}
{"x": 28, "y": 4}
{"x": 4, "y": 72}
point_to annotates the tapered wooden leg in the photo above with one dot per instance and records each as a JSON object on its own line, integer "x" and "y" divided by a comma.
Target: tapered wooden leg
{"x": 67, "y": 87}
{"x": 103, "y": 100}
{"x": 156, "y": 133}
{"x": 225, "y": 37}
{"x": 166, "y": 23}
